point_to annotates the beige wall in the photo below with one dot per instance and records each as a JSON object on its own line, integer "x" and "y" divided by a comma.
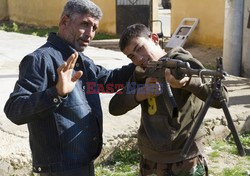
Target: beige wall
{"x": 108, "y": 22}
{"x": 3, "y": 9}
{"x": 46, "y": 13}
{"x": 36, "y": 12}
{"x": 210, "y": 29}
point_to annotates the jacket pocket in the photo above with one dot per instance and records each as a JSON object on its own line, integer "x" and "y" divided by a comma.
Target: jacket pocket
{"x": 76, "y": 97}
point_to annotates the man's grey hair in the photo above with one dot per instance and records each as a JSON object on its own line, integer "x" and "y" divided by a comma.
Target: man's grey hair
{"x": 82, "y": 7}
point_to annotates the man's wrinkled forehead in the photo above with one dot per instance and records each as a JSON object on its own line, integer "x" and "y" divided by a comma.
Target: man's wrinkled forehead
{"x": 86, "y": 18}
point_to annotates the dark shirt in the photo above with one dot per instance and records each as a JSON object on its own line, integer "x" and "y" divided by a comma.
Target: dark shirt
{"x": 65, "y": 133}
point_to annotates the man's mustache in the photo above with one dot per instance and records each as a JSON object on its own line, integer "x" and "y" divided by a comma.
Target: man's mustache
{"x": 84, "y": 38}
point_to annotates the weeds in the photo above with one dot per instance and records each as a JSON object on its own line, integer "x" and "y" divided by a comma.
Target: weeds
{"x": 226, "y": 150}
{"x": 224, "y": 146}
{"x": 124, "y": 163}
{"x": 245, "y": 139}
{"x": 213, "y": 155}
{"x": 104, "y": 36}
{"x": 10, "y": 26}
{"x": 239, "y": 171}
{"x": 24, "y": 29}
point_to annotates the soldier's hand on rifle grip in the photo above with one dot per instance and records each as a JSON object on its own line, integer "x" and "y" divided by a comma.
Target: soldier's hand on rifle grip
{"x": 175, "y": 83}
{"x": 152, "y": 88}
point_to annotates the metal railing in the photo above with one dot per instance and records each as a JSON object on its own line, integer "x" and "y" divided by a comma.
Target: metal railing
{"x": 133, "y": 2}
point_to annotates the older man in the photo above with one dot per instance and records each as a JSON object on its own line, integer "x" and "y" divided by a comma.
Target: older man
{"x": 64, "y": 121}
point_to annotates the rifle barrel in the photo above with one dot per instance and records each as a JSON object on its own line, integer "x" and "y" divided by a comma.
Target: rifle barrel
{"x": 203, "y": 72}
{"x": 184, "y": 68}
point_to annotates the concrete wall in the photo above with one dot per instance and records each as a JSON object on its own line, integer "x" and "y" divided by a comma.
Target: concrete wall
{"x": 36, "y": 12}
{"x": 108, "y": 22}
{"x": 46, "y": 13}
{"x": 210, "y": 29}
{"x": 3, "y": 9}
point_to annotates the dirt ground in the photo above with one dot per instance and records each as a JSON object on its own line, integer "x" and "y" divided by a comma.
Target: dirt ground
{"x": 206, "y": 55}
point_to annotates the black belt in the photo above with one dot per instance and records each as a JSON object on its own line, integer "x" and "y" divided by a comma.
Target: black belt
{"x": 58, "y": 167}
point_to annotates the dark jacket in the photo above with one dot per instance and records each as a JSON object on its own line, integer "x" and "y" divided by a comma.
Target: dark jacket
{"x": 161, "y": 135}
{"x": 65, "y": 132}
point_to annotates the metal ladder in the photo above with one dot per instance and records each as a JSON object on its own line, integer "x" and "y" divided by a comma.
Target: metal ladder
{"x": 182, "y": 33}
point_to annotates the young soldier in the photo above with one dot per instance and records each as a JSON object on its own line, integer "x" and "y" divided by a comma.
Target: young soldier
{"x": 162, "y": 133}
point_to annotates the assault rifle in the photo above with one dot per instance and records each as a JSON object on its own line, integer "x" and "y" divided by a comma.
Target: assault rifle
{"x": 179, "y": 69}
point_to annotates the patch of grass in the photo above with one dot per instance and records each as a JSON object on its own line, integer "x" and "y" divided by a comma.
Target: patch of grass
{"x": 245, "y": 139}
{"x": 11, "y": 26}
{"x": 213, "y": 155}
{"x": 224, "y": 146}
{"x": 237, "y": 170}
{"x": 248, "y": 158}
{"x": 124, "y": 163}
{"x": 224, "y": 149}
{"x": 234, "y": 171}
{"x": 229, "y": 145}
{"x": 128, "y": 156}
{"x": 103, "y": 36}
{"x": 219, "y": 145}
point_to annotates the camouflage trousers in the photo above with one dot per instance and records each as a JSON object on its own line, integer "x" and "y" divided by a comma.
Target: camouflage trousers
{"x": 193, "y": 167}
